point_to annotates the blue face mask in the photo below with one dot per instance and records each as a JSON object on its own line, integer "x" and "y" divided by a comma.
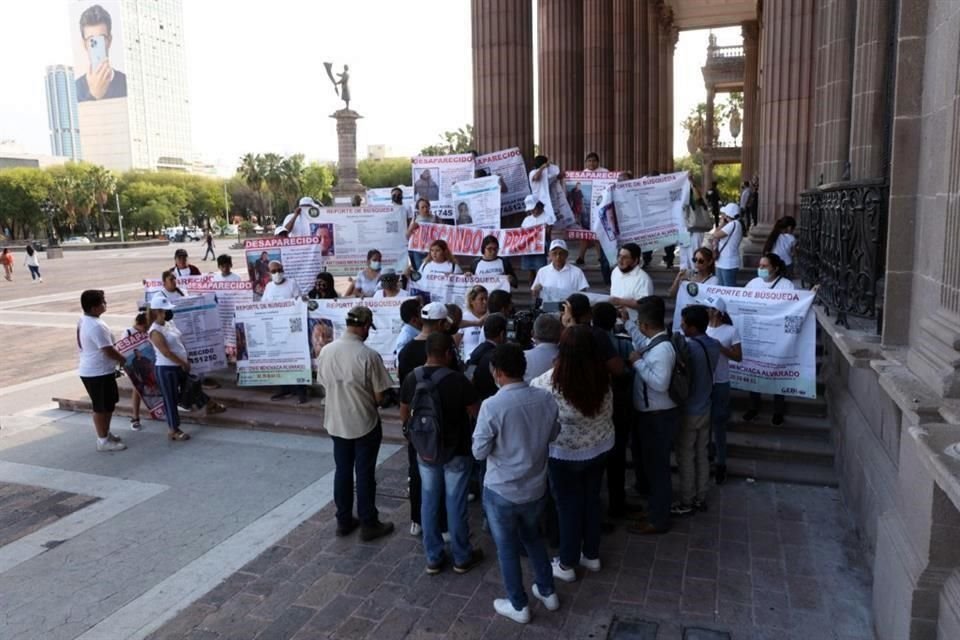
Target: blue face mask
{"x": 375, "y": 265}
{"x": 763, "y": 273}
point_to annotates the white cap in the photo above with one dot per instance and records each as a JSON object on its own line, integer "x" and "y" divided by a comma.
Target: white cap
{"x": 712, "y": 301}
{"x": 558, "y": 244}
{"x": 280, "y": 229}
{"x": 307, "y": 201}
{"x": 731, "y": 210}
{"x": 530, "y": 203}
{"x": 434, "y": 311}
{"x": 160, "y": 301}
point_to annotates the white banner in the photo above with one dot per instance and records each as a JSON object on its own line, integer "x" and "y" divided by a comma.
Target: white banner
{"x": 381, "y": 196}
{"x": 229, "y": 293}
{"x": 447, "y": 288}
{"x": 467, "y": 241}
{"x": 649, "y": 211}
{"x": 476, "y": 202}
{"x": 434, "y": 177}
{"x": 198, "y": 320}
{"x": 302, "y": 259}
{"x": 139, "y": 367}
{"x": 356, "y": 230}
{"x": 509, "y": 168}
{"x": 272, "y": 344}
{"x": 328, "y": 321}
{"x": 779, "y": 335}
{"x": 151, "y": 286}
{"x": 586, "y": 193}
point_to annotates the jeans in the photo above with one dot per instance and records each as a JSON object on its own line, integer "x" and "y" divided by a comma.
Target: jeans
{"x": 356, "y": 455}
{"x": 416, "y": 259}
{"x": 779, "y": 403}
{"x": 727, "y": 277}
{"x": 658, "y": 429}
{"x": 34, "y": 271}
{"x": 169, "y": 379}
{"x": 446, "y": 484}
{"x": 719, "y": 415}
{"x": 511, "y": 526}
{"x": 604, "y": 265}
{"x": 209, "y": 252}
{"x": 692, "y": 457}
{"x": 416, "y": 491}
{"x": 623, "y": 419}
{"x": 576, "y": 488}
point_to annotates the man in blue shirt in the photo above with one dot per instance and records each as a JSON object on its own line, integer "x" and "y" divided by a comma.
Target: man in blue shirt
{"x": 514, "y": 430}
{"x": 410, "y": 316}
{"x": 703, "y": 355}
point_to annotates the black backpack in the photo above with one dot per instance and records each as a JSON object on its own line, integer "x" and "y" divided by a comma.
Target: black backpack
{"x": 424, "y": 429}
{"x": 679, "y": 389}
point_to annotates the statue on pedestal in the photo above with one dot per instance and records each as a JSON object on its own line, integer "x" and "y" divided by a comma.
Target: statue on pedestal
{"x": 348, "y": 184}
{"x": 342, "y": 86}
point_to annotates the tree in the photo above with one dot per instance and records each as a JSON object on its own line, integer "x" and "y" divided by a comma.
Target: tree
{"x": 318, "y": 182}
{"x": 74, "y": 193}
{"x": 388, "y": 172}
{"x": 103, "y": 183}
{"x": 726, "y": 175}
{"x": 251, "y": 169}
{"x": 272, "y": 178}
{"x": 151, "y": 206}
{"x": 292, "y": 175}
{"x": 459, "y": 141}
{"x": 22, "y": 189}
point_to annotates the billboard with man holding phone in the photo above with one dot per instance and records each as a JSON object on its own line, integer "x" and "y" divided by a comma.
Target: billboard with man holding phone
{"x": 98, "y": 51}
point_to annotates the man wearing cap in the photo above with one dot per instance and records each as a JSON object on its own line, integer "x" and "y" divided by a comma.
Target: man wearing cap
{"x": 297, "y": 223}
{"x": 534, "y": 218}
{"x": 629, "y": 282}
{"x": 389, "y": 285}
{"x": 355, "y": 380}
{"x": 180, "y": 265}
{"x": 559, "y": 276}
{"x": 727, "y": 244}
{"x": 281, "y": 287}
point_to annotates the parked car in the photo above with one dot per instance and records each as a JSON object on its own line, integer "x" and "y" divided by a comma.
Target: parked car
{"x": 193, "y": 233}
{"x": 77, "y": 240}
{"x": 231, "y": 230}
{"x": 257, "y": 229}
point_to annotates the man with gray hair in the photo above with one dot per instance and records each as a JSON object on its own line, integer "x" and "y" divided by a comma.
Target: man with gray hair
{"x": 546, "y": 335}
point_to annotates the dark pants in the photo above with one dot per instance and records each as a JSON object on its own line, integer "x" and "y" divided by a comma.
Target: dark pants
{"x": 416, "y": 491}
{"x": 658, "y": 430}
{"x": 169, "y": 379}
{"x": 576, "y": 489}
{"x": 299, "y": 390}
{"x": 209, "y": 252}
{"x": 356, "y": 455}
{"x": 617, "y": 459}
{"x": 779, "y": 403}
{"x": 668, "y": 254}
{"x": 34, "y": 271}
{"x": 604, "y": 265}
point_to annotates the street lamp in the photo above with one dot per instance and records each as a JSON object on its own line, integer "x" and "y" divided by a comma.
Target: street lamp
{"x": 49, "y": 209}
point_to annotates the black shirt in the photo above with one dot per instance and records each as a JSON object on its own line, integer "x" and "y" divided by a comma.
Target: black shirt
{"x": 480, "y": 361}
{"x": 413, "y": 355}
{"x": 456, "y": 394}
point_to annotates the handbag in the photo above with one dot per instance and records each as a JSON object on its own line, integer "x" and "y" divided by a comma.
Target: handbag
{"x": 697, "y": 218}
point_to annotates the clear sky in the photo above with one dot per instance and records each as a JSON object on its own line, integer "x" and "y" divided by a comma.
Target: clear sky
{"x": 257, "y": 82}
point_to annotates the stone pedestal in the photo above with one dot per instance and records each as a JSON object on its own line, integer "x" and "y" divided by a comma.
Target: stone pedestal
{"x": 348, "y": 184}
{"x": 54, "y": 252}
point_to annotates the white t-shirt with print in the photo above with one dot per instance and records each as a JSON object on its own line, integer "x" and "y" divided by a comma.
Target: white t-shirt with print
{"x": 727, "y": 335}
{"x": 93, "y": 335}
{"x": 232, "y": 277}
{"x": 781, "y": 283}
{"x": 472, "y": 336}
{"x": 440, "y": 267}
{"x": 286, "y": 290}
{"x": 729, "y": 246}
{"x": 783, "y": 247}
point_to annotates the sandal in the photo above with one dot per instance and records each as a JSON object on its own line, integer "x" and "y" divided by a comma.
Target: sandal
{"x": 178, "y": 435}
{"x": 215, "y": 407}
{"x": 135, "y": 424}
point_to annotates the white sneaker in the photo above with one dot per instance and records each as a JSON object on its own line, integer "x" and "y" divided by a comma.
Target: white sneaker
{"x": 110, "y": 445}
{"x": 446, "y": 536}
{"x": 551, "y": 602}
{"x": 504, "y": 608}
{"x": 567, "y": 575}
{"x": 415, "y": 529}
{"x": 588, "y": 564}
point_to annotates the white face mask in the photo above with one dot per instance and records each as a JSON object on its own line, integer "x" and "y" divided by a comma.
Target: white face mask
{"x": 277, "y": 277}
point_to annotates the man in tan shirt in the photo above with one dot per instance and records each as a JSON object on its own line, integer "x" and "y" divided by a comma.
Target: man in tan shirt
{"x": 355, "y": 380}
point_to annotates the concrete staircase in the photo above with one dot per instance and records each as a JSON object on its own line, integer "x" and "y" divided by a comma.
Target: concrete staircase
{"x": 799, "y": 451}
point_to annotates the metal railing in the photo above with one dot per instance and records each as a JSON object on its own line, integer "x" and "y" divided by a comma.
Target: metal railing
{"x": 842, "y": 247}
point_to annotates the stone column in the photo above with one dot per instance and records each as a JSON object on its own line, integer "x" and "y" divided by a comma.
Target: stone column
{"x": 348, "y": 184}
{"x": 624, "y": 41}
{"x": 561, "y": 81}
{"x": 671, "y": 49}
{"x": 869, "y": 90}
{"x": 834, "y": 64}
{"x": 598, "y": 76}
{"x": 653, "y": 81}
{"x": 707, "y": 142}
{"x": 787, "y": 55}
{"x": 748, "y": 151}
{"x": 663, "y": 111}
{"x": 641, "y": 90}
{"x": 503, "y": 75}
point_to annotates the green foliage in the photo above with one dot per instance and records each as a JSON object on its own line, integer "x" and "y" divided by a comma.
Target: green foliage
{"x": 389, "y": 172}
{"x": 275, "y": 181}
{"x": 726, "y": 175}
{"x": 459, "y": 141}
{"x": 22, "y": 189}
{"x": 317, "y": 182}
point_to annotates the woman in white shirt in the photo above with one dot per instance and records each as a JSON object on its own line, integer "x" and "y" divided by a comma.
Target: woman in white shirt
{"x": 722, "y": 330}
{"x": 472, "y": 322}
{"x": 368, "y": 279}
{"x": 33, "y": 263}
{"x": 490, "y": 262}
{"x": 440, "y": 260}
{"x": 424, "y": 215}
{"x": 782, "y": 242}
{"x": 170, "y": 291}
{"x": 534, "y": 218}
{"x": 704, "y": 271}
{"x": 390, "y": 286}
{"x": 727, "y": 240}
{"x": 172, "y": 367}
{"x": 769, "y": 276}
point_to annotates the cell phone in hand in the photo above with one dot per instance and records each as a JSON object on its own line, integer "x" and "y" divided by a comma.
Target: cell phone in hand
{"x": 97, "y": 50}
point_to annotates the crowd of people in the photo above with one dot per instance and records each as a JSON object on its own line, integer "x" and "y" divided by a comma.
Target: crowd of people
{"x": 528, "y": 425}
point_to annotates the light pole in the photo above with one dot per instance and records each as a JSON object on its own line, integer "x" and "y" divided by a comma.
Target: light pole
{"x": 119, "y": 215}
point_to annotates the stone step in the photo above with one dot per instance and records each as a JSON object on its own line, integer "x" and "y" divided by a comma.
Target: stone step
{"x": 794, "y": 425}
{"x": 771, "y": 445}
{"x": 783, "y": 471}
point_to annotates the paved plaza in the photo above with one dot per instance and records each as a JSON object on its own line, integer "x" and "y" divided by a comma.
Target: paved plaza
{"x": 231, "y": 535}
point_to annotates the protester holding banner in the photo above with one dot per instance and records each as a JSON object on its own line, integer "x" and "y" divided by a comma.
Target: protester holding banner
{"x": 782, "y": 242}
{"x": 180, "y": 265}
{"x": 590, "y": 163}
{"x": 396, "y": 198}
{"x": 412, "y": 324}
{"x": 473, "y": 316}
{"x": 139, "y": 326}
{"x": 225, "y": 266}
{"x": 172, "y": 367}
{"x": 424, "y": 215}
{"x": 97, "y": 367}
{"x": 722, "y": 330}
{"x": 559, "y": 277}
{"x": 629, "y": 282}
{"x": 280, "y": 287}
{"x": 366, "y": 282}
{"x": 490, "y": 264}
{"x": 323, "y": 288}
{"x": 389, "y": 286}
{"x": 726, "y": 241}
{"x": 535, "y": 217}
{"x": 297, "y": 223}
{"x": 703, "y": 272}
{"x": 170, "y": 291}
{"x": 769, "y": 276}
{"x": 441, "y": 260}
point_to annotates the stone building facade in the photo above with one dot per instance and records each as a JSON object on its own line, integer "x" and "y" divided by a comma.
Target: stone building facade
{"x": 854, "y": 125}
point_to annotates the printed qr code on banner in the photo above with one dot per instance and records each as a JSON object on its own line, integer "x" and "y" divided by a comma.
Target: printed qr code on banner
{"x": 792, "y": 324}
{"x": 296, "y": 325}
{"x": 393, "y": 226}
{"x": 675, "y": 195}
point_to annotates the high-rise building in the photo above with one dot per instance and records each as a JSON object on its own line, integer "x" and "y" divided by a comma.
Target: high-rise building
{"x": 134, "y": 106}
{"x": 62, "y": 112}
